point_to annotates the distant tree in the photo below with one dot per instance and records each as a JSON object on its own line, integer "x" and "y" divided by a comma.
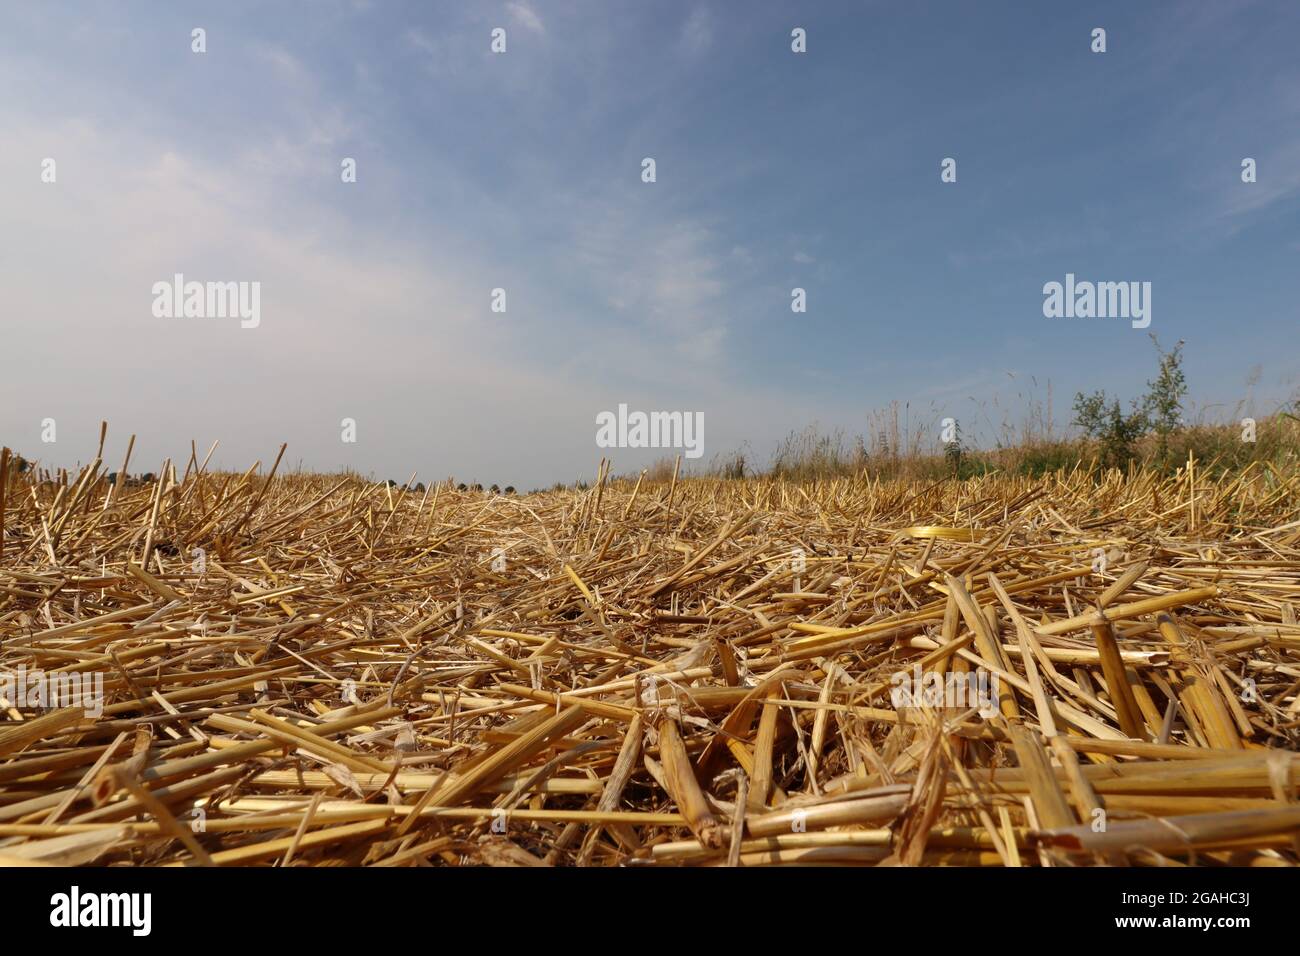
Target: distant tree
{"x": 1163, "y": 402}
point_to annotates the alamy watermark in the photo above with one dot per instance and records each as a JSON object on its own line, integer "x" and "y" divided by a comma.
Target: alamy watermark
{"x": 75, "y": 908}
{"x": 915, "y": 688}
{"x": 1100, "y": 300}
{"x": 651, "y": 430}
{"x": 208, "y": 300}
{"x": 53, "y": 690}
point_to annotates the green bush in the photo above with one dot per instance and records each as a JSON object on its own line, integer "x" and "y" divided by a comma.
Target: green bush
{"x": 1159, "y": 411}
{"x": 1104, "y": 422}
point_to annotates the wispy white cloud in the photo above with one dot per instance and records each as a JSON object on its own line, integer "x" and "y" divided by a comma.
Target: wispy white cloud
{"x": 444, "y": 53}
{"x": 665, "y": 277}
{"x": 697, "y": 32}
{"x": 524, "y": 15}
{"x": 286, "y": 65}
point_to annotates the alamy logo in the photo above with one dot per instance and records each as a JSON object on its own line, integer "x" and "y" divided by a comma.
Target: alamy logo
{"x": 208, "y": 300}
{"x": 977, "y": 689}
{"x": 50, "y": 691}
{"x": 103, "y": 909}
{"x": 651, "y": 430}
{"x": 1101, "y": 300}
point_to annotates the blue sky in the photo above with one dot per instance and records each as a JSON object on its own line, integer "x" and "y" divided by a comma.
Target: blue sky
{"x": 522, "y": 171}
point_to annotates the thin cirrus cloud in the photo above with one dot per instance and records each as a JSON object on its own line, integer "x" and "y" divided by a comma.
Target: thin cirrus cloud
{"x": 525, "y": 16}
{"x": 697, "y": 32}
{"x": 355, "y": 324}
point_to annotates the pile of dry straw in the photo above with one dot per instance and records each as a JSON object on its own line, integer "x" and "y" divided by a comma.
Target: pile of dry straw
{"x": 315, "y": 670}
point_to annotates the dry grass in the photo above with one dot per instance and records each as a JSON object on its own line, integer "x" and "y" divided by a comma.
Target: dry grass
{"x": 692, "y": 672}
{"x": 892, "y": 449}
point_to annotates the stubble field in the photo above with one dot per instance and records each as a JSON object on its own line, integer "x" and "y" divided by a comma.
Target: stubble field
{"x": 1080, "y": 669}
